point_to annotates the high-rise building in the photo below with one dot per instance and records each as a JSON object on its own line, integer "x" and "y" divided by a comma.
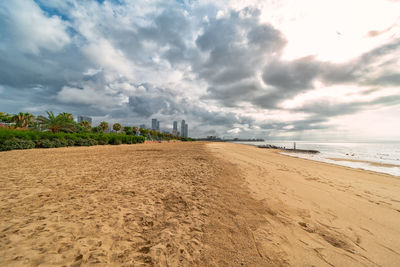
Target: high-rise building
{"x": 142, "y": 126}
{"x": 183, "y": 128}
{"x": 84, "y": 118}
{"x": 175, "y": 128}
{"x": 154, "y": 124}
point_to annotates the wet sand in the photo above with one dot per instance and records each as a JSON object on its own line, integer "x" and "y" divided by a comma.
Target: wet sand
{"x": 377, "y": 164}
{"x": 192, "y": 204}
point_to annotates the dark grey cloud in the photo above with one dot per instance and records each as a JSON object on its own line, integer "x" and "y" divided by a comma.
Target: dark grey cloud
{"x": 155, "y": 101}
{"x": 391, "y": 79}
{"x": 322, "y": 111}
{"x": 294, "y": 75}
{"x": 297, "y": 126}
{"x": 236, "y": 46}
{"x": 289, "y": 78}
{"x": 230, "y": 95}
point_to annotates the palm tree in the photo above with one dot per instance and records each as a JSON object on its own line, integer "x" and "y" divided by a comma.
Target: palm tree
{"x": 135, "y": 130}
{"x": 117, "y": 127}
{"x": 66, "y": 115}
{"x": 104, "y": 126}
{"x": 29, "y": 119}
{"x": 19, "y": 119}
{"x": 128, "y": 130}
{"x": 85, "y": 124}
{"x": 5, "y": 117}
{"x": 23, "y": 119}
{"x": 62, "y": 122}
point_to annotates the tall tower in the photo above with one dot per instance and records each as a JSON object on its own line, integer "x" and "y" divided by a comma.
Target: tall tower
{"x": 154, "y": 124}
{"x": 183, "y": 128}
{"x": 175, "y": 128}
{"x": 186, "y": 130}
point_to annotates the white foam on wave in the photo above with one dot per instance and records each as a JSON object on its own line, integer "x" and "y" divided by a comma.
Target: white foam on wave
{"x": 357, "y": 165}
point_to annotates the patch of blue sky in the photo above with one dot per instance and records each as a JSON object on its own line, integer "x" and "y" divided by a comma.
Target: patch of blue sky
{"x": 52, "y": 10}
{"x": 118, "y": 2}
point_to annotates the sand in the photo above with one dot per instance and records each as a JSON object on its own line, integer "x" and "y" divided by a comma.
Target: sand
{"x": 192, "y": 204}
{"x": 320, "y": 214}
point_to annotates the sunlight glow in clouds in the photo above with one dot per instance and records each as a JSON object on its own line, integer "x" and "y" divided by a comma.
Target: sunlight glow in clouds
{"x": 333, "y": 30}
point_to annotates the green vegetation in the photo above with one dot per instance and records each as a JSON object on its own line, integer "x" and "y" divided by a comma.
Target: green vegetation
{"x": 128, "y": 130}
{"x": 5, "y": 117}
{"x": 104, "y": 126}
{"x": 24, "y": 131}
{"x": 86, "y": 124}
{"x": 117, "y": 127}
{"x": 63, "y": 122}
{"x": 24, "y": 139}
{"x": 23, "y": 119}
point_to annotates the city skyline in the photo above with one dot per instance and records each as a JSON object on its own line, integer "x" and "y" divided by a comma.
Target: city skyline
{"x": 155, "y": 126}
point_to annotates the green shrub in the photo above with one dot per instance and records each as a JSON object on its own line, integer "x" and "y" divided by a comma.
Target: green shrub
{"x": 26, "y": 144}
{"x": 97, "y": 129}
{"x": 16, "y": 143}
{"x": 45, "y": 143}
{"x": 102, "y": 141}
{"x": 70, "y": 142}
{"x": 60, "y": 142}
{"x": 85, "y": 142}
{"x": 93, "y": 142}
{"x": 128, "y": 130}
{"x": 22, "y": 139}
{"x": 115, "y": 141}
{"x": 9, "y": 144}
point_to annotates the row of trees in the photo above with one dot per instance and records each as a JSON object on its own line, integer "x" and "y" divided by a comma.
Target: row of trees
{"x": 64, "y": 122}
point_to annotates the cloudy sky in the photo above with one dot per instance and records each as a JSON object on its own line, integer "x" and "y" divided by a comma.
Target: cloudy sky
{"x": 282, "y": 69}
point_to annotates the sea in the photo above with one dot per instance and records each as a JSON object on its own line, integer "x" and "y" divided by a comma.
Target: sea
{"x": 380, "y": 152}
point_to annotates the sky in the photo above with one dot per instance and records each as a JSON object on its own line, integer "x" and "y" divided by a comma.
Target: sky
{"x": 272, "y": 69}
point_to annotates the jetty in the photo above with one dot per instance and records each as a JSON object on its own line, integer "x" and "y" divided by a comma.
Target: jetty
{"x": 291, "y": 150}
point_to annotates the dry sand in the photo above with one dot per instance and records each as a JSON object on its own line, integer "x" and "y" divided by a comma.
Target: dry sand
{"x": 188, "y": 204}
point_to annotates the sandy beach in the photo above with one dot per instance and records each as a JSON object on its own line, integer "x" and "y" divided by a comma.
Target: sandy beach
{"x": 192, "y": 204}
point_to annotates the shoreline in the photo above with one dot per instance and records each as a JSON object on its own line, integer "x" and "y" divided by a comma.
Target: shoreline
{"x": 366, "y": 161}
{"x": 338, "y": 165}
{"x": 365, "y": 165}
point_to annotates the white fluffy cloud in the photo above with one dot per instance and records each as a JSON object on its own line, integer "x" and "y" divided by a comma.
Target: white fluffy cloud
{"x": 30, "y": 29}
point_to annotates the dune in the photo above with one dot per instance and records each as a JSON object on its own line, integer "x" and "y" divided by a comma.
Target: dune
{"x": 192, "y": 204}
